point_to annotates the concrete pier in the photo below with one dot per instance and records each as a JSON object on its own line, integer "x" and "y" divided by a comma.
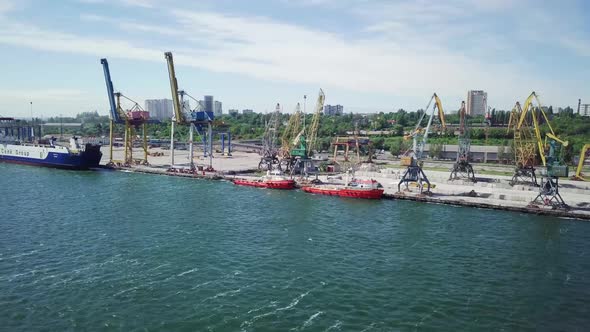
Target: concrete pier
{"x": 490, "y": 191}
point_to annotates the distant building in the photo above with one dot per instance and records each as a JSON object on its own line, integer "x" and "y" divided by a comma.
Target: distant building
{"x": 233, "y": 112}
{"x": 333, "y": 110}
{"x": 186, "y": 105}
{"x": 159, "y": 109}
{"x": 208, "y": 104}
{"x": 247, "y": 111}
{"x": 217, "y": 110}
{"x": 585, "y": 109}
{"x": 477, "y": 102}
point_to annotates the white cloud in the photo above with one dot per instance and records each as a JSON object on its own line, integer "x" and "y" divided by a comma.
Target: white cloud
{"x": 91, "y": 1}
{"x": 46, "y": 102}
{"x": 294, "y": 53}
{"x": 94, "y": 18}
{"x": 6, "y": 6}
{"x": 128, "y": 3}
{"x": 411, "y": 61}
{"x": 44, "y": 95}
{"x": 36, "y": 38}
{"x": 139, "y": 3}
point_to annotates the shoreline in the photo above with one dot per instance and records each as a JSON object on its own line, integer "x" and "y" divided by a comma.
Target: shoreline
{"x": 435, "y": 198}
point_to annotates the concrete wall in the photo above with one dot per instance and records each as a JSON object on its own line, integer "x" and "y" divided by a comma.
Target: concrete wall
{"x": 486, "y": 153}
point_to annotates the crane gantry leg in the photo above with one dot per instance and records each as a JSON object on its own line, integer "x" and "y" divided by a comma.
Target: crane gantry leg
{"x": 191, "y": 155}
{"x": 414, "y": 174}
{"x": 462, "y": 169}
{"x": 549, "y": 194}
{"x": 111, "y": 138}
{"x": 128, "y": 145}
{"x": 524, "y": 175}
{"x": 145, "y": 145}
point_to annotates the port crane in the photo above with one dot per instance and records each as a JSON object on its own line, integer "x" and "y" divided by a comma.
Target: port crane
{"x": 462, "y": 169}
{"x": 270, "y": 152}
{"x": 548, "y": 150}
{"x": 133, "y": 118}
{"x": 355, "y": 142}
{"x": 413, "y": 160}
{"x": 305, "y": 141}
{"x": 291, "y": 130}
{"x": 525, "y": 149}
{"x": 196, "y": 119}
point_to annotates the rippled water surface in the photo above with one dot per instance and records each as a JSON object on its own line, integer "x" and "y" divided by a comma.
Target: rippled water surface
{"x": 120, "y": 251}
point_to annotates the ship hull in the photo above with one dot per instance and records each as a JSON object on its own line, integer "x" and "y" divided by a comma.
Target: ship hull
{"x": 345, "y": 192}
{"x": 51, "y": 157}
{"x": 271, "y": 184}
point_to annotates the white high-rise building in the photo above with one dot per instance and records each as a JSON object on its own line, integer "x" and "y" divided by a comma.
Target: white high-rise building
{"x": 159, "y": 109}
{"x": 217, "y": 110}
{"x": 477, "y": 102}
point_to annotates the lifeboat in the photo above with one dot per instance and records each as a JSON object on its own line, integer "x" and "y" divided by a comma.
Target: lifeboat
{"x": 272, "y": 180}
{"x": 368, "y": 189}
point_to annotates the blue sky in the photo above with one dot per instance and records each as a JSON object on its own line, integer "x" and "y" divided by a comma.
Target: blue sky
{"x": 368, "y": 55}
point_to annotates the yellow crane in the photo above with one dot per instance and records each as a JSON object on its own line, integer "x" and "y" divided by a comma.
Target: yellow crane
{"x": 196, "y": 119}
{"x": 525, "y": 149}
{"x": 315, "y": 123}
{"x": 529, "y": 108}
{"x": 548, "y": 151}
{"x": 291, "y": 131}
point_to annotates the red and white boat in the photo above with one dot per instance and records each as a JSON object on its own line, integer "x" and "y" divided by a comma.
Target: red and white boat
{"x": 272, "y": 180}
{"x": 369, "y": 189}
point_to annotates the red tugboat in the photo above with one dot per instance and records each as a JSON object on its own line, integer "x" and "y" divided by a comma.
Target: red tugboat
{"x": 274, "y": 180}
{"x": 369, "y": 189}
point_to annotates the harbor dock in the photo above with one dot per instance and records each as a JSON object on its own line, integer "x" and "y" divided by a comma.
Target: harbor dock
{"x": 490, "y": 191}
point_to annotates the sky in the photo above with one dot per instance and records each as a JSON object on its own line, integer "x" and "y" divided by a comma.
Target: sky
{"x": 368, "y": 55}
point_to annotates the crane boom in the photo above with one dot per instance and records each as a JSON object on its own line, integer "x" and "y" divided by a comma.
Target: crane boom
{"x": 315, "y": 122}
{"x": 514, "y": 117}
{"x": 292, "y": 129}
{"x": 441, "y": 113}
{"x": 462, "y": 169}
{"x": 178, "y": 116}
{"x": 420, "y": 135}
{"x": 528, "y": 107}
{"x": 462, "y": 120}
{"x": 549, "y": 188}
{"x": 110, "y": 91}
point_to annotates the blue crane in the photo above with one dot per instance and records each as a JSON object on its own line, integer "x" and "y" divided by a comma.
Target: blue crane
{"x": 115, "y": 117}
{"x": 134, "y": 117}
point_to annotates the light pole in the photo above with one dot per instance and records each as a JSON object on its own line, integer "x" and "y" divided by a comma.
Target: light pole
{"x": 61, "y": 127}
{"x": 32, "y": 122}
{"x": 304, "y": 107}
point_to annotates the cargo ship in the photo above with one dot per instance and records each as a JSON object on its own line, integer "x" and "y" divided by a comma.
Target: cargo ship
{"x": 368, "y": 189}
{"x": 272, "y": 180}
{"x": 19, "y": 146}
